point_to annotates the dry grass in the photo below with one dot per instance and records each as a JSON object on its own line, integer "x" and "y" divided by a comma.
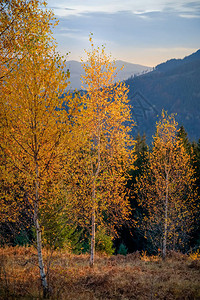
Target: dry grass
{"x": 117, "y": 277}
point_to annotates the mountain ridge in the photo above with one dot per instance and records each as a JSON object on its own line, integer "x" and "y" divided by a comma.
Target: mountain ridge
{"x": 130, "y": 69}
{"x": 173, "y": 63}
{"x": 173, "y": 86}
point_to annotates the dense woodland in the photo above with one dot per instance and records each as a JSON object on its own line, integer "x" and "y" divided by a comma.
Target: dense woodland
{"x": 73, "y": 177}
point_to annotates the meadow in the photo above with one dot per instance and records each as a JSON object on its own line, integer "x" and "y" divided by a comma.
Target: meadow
{"x": 134, "y": 276}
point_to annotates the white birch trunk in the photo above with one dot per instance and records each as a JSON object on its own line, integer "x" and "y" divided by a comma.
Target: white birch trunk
{"x": 39, "y": 236}
{"x": 93, "y": 230}
{"x": 166, "y": 217}
{"x": 92, "y": 254}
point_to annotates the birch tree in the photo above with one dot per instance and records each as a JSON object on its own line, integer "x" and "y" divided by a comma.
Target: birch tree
{"x": 104, "y": 153}
{"x": 166, "y": 189}
{"x": 31, "y": 122}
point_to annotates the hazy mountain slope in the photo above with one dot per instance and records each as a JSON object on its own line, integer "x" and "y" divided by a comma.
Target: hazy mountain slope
{"x": 174, "y": 86}
{"x": 173, "y": 63}
{"x": 129, "y": 70}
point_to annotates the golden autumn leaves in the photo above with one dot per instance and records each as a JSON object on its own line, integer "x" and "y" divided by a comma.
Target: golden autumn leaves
{"x": 166, "y": 190}
{"x": 108, "y": 143}
{"x": 74, "y": 162}
{"x": 31, "y": 132}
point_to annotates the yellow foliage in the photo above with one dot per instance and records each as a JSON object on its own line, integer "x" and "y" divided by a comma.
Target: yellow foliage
{"x": 195, "y": 255}
{"x": 102, "y": 153}
{"x": 166, "y": 189}
{"x": 31, "y": 127}
{"x": 31, "y": 116}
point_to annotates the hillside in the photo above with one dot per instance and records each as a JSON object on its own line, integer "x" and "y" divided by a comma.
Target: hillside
{"x": 173, "y": 86}
{"x": 129, "y": 70}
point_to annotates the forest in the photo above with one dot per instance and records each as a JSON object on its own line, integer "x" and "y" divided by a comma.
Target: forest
{"x": 174, "y": 86}
{"x": 88, "y": 211}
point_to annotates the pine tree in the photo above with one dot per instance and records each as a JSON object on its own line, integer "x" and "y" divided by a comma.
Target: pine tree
{"x": 183, "y": 136}
{"x": 141, "y": 152}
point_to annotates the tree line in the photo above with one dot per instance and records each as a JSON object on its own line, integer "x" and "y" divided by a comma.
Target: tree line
{"x": 71, "y": 176}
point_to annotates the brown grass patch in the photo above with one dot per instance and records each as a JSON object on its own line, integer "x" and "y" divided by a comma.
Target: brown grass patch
{"x": 128, "y": 277}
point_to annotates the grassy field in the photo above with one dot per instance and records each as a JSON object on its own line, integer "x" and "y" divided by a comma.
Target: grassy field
{"x": 135, "y": 276}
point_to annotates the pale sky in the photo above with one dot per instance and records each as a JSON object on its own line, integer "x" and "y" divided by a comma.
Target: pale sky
{"x": 145, "y": 32}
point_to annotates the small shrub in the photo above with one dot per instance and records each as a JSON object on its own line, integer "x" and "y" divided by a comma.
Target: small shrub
{"x": 194, "y": 255}
{"x": 104, "y": 243}
{"x": 22, "y": 239}
{"x": 122, "y": 249}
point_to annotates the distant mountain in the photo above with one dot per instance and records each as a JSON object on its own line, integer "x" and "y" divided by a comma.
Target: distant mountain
{"x": 173, "y": 86}
{"x": 173, "y": 63}
{"x": 129, "y": 70}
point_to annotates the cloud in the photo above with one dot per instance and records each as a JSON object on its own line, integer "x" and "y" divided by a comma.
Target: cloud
{"x": 128, "y": 26}
{"x": 185, "y": 7}
{"x": 57, "y": 7}
{"x": 79, "y": 7}
{"x": 192, "y": 5}
{"x": 113, "y": 6}
{"x": 189, "y": 16}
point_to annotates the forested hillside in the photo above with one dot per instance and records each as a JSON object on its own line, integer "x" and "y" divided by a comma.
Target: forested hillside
{"x": 173, "y": 86}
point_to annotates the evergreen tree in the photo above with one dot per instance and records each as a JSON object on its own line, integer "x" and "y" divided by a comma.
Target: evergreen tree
{"x": 183, "y": 136}
{"x": 141, "y": 153}
{"x": 130, "y": 234}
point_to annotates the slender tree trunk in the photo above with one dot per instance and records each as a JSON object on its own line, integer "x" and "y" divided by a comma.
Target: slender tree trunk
{"x": 174, "y": 239}
{"x": 93, "y": 230}
{"x": 39, "y": 236}
{"x": 166, "y": 218}
{"x": 94, "y": 202}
